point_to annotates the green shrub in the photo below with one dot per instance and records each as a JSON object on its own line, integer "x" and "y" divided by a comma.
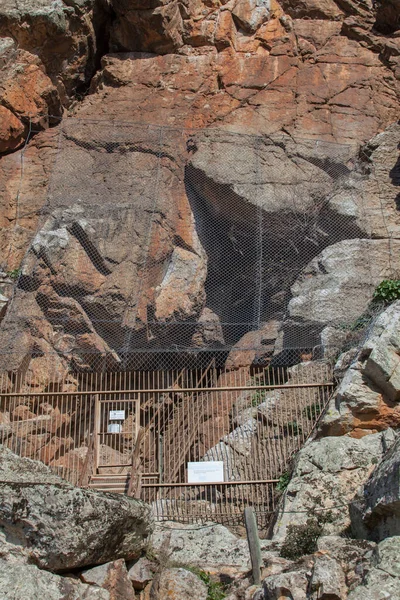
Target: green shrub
{"x": 301, "y": 539}
{"x": 387, "y": 291}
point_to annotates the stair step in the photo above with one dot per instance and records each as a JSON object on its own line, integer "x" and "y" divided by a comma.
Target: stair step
{"x": 108, "y": 485}
{"x": 113, "y": 490}
{"x": 105, "y": 478}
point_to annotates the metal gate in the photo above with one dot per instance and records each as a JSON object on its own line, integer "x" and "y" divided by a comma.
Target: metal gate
{"x": 141, "y": 432}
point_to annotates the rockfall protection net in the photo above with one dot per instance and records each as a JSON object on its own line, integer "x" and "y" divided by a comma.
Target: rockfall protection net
{"x": 159, "y": 247}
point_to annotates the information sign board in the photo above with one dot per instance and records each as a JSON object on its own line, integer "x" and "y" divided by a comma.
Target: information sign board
{"x": 206, "y": 472}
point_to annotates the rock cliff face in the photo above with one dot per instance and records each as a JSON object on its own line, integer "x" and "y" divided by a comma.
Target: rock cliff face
{"x": 117, "y": 255}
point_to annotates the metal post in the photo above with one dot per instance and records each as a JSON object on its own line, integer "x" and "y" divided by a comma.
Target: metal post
{"x": 254, "y": 543}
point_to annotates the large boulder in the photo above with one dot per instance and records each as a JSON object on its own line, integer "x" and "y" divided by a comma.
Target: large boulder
{"x": 326, "y": 477}
{"x": 213, "y": 548}
{"x": 64, "y": 527}
{"x": 375, "y": 511}
{"x": 367, "y": 399}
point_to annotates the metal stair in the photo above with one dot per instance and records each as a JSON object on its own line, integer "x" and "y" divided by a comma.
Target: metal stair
{"x": 110, "y": 482}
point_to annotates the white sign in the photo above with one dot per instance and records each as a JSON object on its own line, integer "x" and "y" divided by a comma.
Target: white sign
{"x": 117, "y": 415}
{"x": 206, "y": 472}
{"x": 114, "y": 428}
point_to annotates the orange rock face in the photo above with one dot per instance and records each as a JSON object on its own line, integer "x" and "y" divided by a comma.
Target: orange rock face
{"x": 319, "y": 69}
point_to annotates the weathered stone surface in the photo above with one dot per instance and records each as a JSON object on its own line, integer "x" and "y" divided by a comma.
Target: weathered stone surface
{"x": 328, "y": 580}
{"x": 113, "y": 577}
{"x": 290, "y": 585}
{"x": 23, "y": 582}
{"x": 367, "y": 397}
{"x": 11, "y": 130}
{"x": 178, "y": 584}
{"x": 375, "y": 511}
{"x": 327, "y": 475}
{"x": 354, "y": 556}
{"x": 63, "y": 35}
{"x": 325, "y": 292}
{"x": 383, "y": 580}
{"x": 65, "y": 527}
{"x": 142, "y": 572}
{"x": 214, "y": 549}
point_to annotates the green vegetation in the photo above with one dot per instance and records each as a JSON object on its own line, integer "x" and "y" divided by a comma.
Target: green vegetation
{"x": 292, "y": 428}
{"x": 387, "y": 291}
{"x": 258, "y": 397}
{"x": 302, "y": 539}
{"x": 313, "y": 411}
{"x": 283, "y": 481}
{"x": 14, "y": 274}
{"x": 215, "y": 588}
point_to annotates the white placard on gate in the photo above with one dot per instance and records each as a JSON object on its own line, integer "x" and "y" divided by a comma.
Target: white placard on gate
{"x": 114, "y": 428}
{"x": 117, "y": 415}
{"x": 206, "y": 472}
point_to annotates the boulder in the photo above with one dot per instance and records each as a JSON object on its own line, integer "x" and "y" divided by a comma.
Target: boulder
{"x": 353, "y": 556}
{"x": 367, "y": 397}
{"x": 214, "y": 548}
{"x": 142, "y": 572}
{"x": 328, "y": 581}
{"x": 178, "y": 584}
{"x": 26, "y": 582}
{"x": 64, "y": 527}
{"x": 326, "y": 293}
{"x": 383, "y": 580}
{"x": 375, "y": 511}
{"x": 113, "y": 577}
{"x": 327, "y": 475}
{"x": 292, "y": 585}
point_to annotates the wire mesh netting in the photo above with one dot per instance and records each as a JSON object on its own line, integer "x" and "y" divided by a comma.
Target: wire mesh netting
{"x": 200, "y": 283}
{"x": 159, "y": 247}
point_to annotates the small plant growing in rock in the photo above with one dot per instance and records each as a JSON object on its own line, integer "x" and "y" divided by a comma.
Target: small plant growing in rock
{"x": 292, "y": 428}
{"x": 312, "y": 411}
{"x": 387, "y": 291}
{"x": 14, "y": 274}
{"x": 258, "y": 397}
{"x": 283, "y": 481}
{"x": 301, "y": 539}
{"x": 215, "y": 588}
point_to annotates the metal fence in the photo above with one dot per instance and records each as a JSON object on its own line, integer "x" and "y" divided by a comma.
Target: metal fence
{"x": 137, "y": 432}
{"x": 164, "y": 278}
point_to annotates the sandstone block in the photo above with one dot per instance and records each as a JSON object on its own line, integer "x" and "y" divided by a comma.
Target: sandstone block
{"x": 113, "y": 577}
{"x": 141, "y": 573}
